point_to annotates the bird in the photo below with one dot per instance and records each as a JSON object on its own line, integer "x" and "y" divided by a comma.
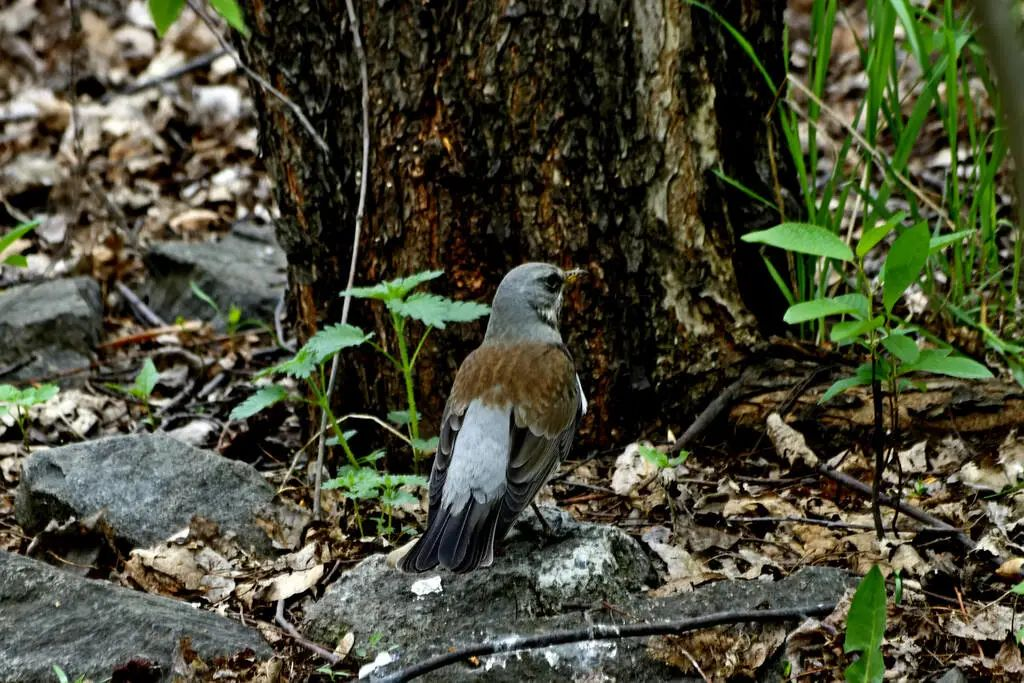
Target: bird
{"x": 510, "y": 419}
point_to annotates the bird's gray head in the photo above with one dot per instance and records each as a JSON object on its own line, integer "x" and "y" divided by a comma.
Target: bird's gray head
{"x": 527, "y": 304}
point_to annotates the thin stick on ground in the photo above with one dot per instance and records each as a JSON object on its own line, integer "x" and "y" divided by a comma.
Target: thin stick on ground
{"x": 283, "y": 622}
{"x": 357, "y": 41}
{"x": 606, "y": 632}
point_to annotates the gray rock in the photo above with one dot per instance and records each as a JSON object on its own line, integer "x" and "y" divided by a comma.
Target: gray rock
{"x": 149, "y": 487}
{"x": 92, "y": 627}
{"x": 245, "y": 269}
{"x": 49, "y": 327}
{"x": 536, "y": 587}
{"x": 954, "y": 675}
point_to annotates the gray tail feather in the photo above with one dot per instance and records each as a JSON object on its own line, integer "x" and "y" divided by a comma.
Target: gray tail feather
{"x": 461, "y": 542}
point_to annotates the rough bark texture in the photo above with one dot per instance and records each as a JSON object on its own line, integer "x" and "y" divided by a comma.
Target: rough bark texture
{"x": 580, "y": 133}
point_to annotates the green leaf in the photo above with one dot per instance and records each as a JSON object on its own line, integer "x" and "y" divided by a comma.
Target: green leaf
{"x": 261, "y": 400}
{"x": 61, "y": 675}
{"x": 855, "y": 304}
{"x": 393, "y": 289}
{"x": 203, "y": 296}
{"x": 873, "y": 236}
{"x": 943, "y": 241}
{"x": 165, "y": 13}
{"x": 29, "y": 396}
{"x": 436, "y": 311}
{"x": 904, "y": 263}
{"x": 851, "y": 329}
{"x": 414, "y": 480}
{"x": 333, "y": 338}
{"x": 146, "y": 380}
{"x": 299, "y": 366}
{"x": 394, "y": 497}
{"x": 944, "y": 364}
{"x": 803, "y": 238}
{"x": 232, "y": 14}
{"x": 902, "y": 346}
{"x": 653, "y": 456}
{"x": 16, "y": 260}
{"x": 865, "y": 629}
{"x": 842, "y": 385}
{"x": 1018, "y": 589}
{"x": 426, "y": 445}
{"x": 400, "y": 417}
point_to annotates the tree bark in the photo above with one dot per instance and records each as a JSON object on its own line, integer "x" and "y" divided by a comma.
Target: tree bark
{"x": 580, "y": 133}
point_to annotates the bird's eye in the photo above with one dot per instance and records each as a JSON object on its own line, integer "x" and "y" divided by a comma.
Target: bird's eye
{"x": 553, "y": 282}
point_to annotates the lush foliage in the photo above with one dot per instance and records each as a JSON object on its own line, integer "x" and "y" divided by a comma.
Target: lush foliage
{"x": 918, "y": 60}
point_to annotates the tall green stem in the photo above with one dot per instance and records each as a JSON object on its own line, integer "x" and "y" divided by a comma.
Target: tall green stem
{"x": 410, "y": 393}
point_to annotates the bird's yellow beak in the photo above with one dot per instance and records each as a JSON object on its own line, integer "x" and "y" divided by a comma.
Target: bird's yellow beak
{"x": 573, "y": 275}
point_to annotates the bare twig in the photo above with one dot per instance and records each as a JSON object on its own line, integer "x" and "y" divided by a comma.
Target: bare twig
{"x": 357, "y": 41}
{"x": 199, "y": 62}
{"x": 283, "y": 622}
{"x": 264, "y": 83}
{"x": 144, "y": 313}
{"x": 606, "y": 632}
{"x": 712, "y": 411}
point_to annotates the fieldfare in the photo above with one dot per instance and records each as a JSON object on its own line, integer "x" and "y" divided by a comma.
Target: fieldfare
{"x": 509, "y": 422}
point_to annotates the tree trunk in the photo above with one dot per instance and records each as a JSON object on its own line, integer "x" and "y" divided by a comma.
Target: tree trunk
{"x": 580, "y": 133}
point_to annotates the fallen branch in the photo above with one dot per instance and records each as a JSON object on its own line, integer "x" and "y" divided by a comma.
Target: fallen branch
{"x": 606, "y": 632}
{"x": 712, "y": 411}
{"x": 290, "y": 629}
{"x": 790, "y": 444}
{"x": 177, "y": 72}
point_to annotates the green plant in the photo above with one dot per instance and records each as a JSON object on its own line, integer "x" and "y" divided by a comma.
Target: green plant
{"x": 166, "y": 12}
{"x": 359, "y": 479}
{"x": 18, "y": 401}
{"x": 144, "y": 384}
{"x": 62, "y": 677}
{"x": 661, "y": 460}
{"x": 404, "y": 304}
{"x": 873, "y": 165}
{"x": 233, "y": 321}
{"x": 15, "y": 260}
{"x": 865, "y": 629}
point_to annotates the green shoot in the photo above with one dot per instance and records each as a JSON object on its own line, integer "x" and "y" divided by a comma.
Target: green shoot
{"x": 18, "y": 401}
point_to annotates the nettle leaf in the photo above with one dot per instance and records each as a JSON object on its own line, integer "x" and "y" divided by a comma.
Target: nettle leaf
{"x": 904, "y": 263}
{"x": 425, "y": 445}
{"x": 803, "y": 238}
{"x": 335, "y": 441}
{"x": 413, "y": 480}
{"x": 393, "y": 289}
{"x": 902, "y": 346}
{"x": 232, "y": 14}
{"x": 9, "y": 393}
{"x": 261, "y": 400}
{"x": 396, "y": 497}
{"x": 299, "y": 366}
{"x": 873, "y": 236}
{"x": 848, "y": 330}
{"x": 853, "y": 304}
{"x": 165, "y": 13}
{"x": 333, "y": 338}
{"x": 436, "y": 311}
{"x": 145, "y": 381}
{"x": 939, "y": 362}
{"x": 865, "y": 629}
{"x": 400, "y": 417}
{"x": 31, "y": 396}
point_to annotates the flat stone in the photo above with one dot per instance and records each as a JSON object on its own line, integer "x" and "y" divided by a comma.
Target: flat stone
{"x": 49, "y": 328}
{"x": 536, "y": 587}
{"x": 149, "y": 486}
{"x": 90, "y": 628}
{"x": 246, "y": 269}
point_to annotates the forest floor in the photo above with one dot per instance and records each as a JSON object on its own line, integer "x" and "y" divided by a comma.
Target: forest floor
{"x": 140, "y": 157}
